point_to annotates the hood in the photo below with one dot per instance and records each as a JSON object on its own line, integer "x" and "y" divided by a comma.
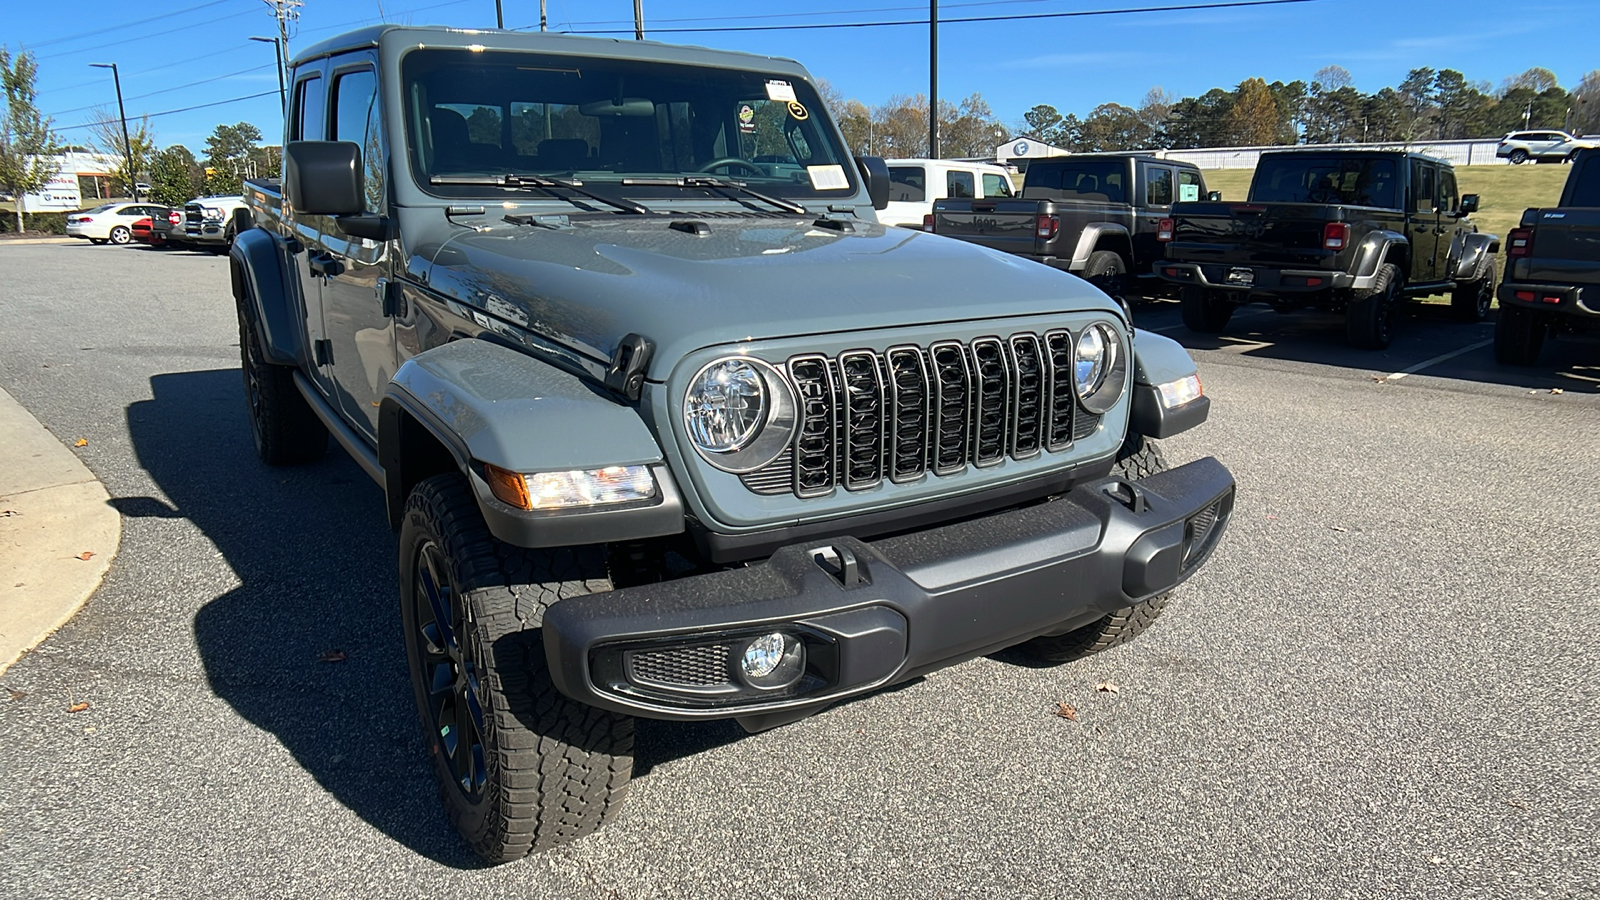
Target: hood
{"x": 586, "y": 282}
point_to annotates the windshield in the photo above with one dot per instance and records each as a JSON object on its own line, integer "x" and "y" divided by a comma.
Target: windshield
{"x": 1354, "y": 181}
{"x": 603, "y": 121}
{"x": 1102, "y": 181}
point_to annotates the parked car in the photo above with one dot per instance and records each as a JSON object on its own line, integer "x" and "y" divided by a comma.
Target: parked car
{"x": 111, "y": 222}
{"x": 668, "y": 443}
{"x": 1540, "y": 146}
{"x": 141, "y": 233}
{"x": 914, "y": 185}
{"x": 1352, "y": 231}
{"x": 170, "y": 228}
{"x": 212, "y": 222}
{"x": 141, "y": 187}
{"x": 1097, "y": 216}
{"x": 1552, "y": 282}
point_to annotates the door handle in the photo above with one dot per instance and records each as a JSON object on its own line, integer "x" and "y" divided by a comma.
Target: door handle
{"x": 324, "y": 265}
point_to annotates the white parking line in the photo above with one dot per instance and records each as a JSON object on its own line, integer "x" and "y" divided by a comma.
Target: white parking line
{"x": 1437, "y": 359}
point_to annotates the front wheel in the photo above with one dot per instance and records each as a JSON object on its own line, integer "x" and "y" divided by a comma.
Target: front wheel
{"x": 1518, "y": 336}
{"x": 1204, "y": 311}
{"x": 521, "y": 767}
{"x": 1470, "y": 302}
{"x": 1139, "y": 458}
{"x": 1369, "y": 320}
{"x": 121, "y": 235}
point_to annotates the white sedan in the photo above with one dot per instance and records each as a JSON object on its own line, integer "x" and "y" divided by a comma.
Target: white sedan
{"x": 112, "y": 222}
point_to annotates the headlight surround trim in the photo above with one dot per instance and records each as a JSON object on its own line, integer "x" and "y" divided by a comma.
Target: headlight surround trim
{"x": 1109, "y": 379}
{"x": 766, "y": 439}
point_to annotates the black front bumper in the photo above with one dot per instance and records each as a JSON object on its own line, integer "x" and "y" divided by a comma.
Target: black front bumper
{"x": 874, "y": 613}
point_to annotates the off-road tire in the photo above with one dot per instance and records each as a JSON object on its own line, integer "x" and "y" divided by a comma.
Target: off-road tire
{"x": 1106, "y": 271}
{"x": 1205, "y": 311}
{"x": 1518, "y": 156}
{"x": 1369, "y": 319}
{"x": 1518, "y": 336}
{"x": 120, "y": 235}
{"x": 1470, "y": 300}
{"x": 1139, "y": 458}
{"x": 553, "y": 770}
{"x": 285, "y": 428}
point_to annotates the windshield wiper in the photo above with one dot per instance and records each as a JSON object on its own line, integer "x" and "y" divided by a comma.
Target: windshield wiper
{"x": 706, "y": 181}
{"x": 543, "y": 184}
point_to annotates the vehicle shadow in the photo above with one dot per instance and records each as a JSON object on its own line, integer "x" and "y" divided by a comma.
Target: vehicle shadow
{"x": 308, "y": 645}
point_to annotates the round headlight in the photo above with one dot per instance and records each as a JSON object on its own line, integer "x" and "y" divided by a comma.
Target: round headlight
{"x": 739, "y": 413}
{"x": 1100, "y": 368}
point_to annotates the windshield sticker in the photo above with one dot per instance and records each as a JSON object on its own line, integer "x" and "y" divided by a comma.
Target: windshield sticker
{"x": 1188, "y": 193}
{"x": 747, "y": 119}
{"x": 828, "y": 178}
{"x": 782, "y": 91}
{"x": 798, "y": 111}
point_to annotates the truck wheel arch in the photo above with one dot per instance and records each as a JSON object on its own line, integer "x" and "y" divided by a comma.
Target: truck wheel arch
{"x": 257, "y": 271}
{"x": 1103, "y": 236}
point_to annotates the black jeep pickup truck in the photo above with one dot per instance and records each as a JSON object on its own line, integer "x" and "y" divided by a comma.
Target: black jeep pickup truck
{"x": 1552, "y": 281}
{"x": 1097, "y": 216}
{"x": 1353, "y": 230}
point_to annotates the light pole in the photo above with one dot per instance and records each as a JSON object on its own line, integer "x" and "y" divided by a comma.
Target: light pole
{"x": 127, "y": 147}
{"x": 277, "y": 54}
{"x": 499, "y": 16}
{"x": 638, "y": 20}
{"x": 933, "y": 79}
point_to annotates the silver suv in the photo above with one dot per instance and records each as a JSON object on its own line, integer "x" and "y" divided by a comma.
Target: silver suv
{"x": 1541, "y": 146}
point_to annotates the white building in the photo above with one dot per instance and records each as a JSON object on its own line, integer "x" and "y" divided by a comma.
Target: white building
{"x": 81, "y": 178}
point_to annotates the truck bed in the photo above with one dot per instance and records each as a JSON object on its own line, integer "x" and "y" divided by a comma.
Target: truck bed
{"x": 1283, "y": 234}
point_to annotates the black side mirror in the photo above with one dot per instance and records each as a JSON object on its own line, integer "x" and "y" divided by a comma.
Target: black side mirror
{"x": 324, "y": 178}
{"x": 1469, "y": 204}
{"x": 876, "y": 174}
{"x": 1214, "y": 196}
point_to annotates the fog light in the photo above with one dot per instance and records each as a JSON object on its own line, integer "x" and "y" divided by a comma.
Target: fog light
{"x": 772, "y": 661}
{"x": 763, "y": 655}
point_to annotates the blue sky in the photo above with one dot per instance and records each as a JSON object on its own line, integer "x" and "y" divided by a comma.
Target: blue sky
{"x": 193, "y": 52}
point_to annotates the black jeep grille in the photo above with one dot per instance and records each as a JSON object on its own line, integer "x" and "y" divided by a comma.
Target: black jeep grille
{"x": 866, "y": 416}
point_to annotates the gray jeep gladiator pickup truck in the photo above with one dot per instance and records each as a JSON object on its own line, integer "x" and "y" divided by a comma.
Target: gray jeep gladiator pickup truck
{"x": 1355, "y": 231}
{"x": 1101, "y": 217}
{"x": 1552, "y": 281}
{"x": 670, "y": 429}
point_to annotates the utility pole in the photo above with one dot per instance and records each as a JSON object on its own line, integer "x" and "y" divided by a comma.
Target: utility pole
{"x": 499, "y": 15}
{"x": 285, "y": 11}
{"x": 933, "y": 79}
{"x": 543, "y": 19}
{"x": 127, "y": 147}
{"x": 1527, "y": 114}
{"x": 277, "y": 50}
{"x": 638, "y": 20}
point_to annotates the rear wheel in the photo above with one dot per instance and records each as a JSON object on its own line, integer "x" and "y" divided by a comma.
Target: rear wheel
{"x": 121, "y": 235}
{"x": 1139, "y": 458}
{"x": 1518, "y": 156}
{"x": 1518, "y": 336}
{"x": 520, "y": 766}
{"x": 285, "y": 428}
{"x": 1204, "y": 311}
{"x": 1369, "y": 320}
{"x": 1470, "y": 302}
{"x": 1106, "y": 271}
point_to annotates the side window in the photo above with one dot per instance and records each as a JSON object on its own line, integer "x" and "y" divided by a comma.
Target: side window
{"x": 958, "y": 184}
{"x": 1158, "y": 186}
{"x": 907, "y": 184}
{"x": 1190, "y": 186}
{"x": 996, "y": 185}
{"x": 1447, "y": 191}
{"x": 357, "y": 117}
{"x": 309, "y": 107}
{"x": 1424, "y": 198}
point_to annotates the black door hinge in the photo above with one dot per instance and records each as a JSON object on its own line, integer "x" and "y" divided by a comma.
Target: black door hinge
{"x": 322, "y": 352}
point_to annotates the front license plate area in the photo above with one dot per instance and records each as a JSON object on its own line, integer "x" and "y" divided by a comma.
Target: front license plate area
{"x": 1241, "y": 276}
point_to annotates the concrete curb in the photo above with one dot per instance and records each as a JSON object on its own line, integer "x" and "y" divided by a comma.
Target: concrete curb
{"x": 52, "y": 511}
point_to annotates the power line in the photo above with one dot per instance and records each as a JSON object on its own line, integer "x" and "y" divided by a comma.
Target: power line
{"x": 168, "y": 14}
{"x": 175, "y": 88}
{"x": 169, "y": 112}
{"x": 813, "y": 14}
{"x": 158, "y": 34}
{"x": 957, "y": 21}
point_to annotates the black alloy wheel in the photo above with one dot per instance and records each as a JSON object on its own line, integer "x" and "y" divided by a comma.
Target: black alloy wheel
{"x": 1471, "y": 301}
{"x": 442, "y": 639}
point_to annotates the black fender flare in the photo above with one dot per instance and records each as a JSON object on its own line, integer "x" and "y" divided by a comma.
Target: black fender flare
{"x": 257, "y": 267}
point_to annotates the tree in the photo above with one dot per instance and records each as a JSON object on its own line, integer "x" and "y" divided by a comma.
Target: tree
{"x": 900, "y": 126}
{"x": 1418, "y": 93}
{"x": 1253, "y": 120}
{"x": 1462, "y": 108}
{"x": 1535, "y": 79}
{"x": 855, "y": 121}
{"x": 970, "y": 129}
{"x": 1200, "y": 121}
{"x": 107, "y": 130}
{"x": 1332, "y": 78}
{"x": 229, "y": 156}
{"x": 1154, "y": 111}
{"x": 1112, "y": 126}
{"x": 27, "y": 143}
{"x": 1586, "y": 104}
{"x": 1291, "y": 101}
{"x": 172, "y": 180}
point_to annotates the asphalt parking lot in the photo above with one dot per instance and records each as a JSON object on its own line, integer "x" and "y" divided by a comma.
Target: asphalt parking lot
{"x": 1383, "y": 685}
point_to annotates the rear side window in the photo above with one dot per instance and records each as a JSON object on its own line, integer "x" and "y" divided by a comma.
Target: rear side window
{"x": 309, "y": 106}
{"x": 1189, "y": 186}
{"x": 1448, "y": 201}
{"x": 907, "y": 184}
{"x": 1424, "y": 196}
{"x": 996, "y": 185}
{"x": 356, "y": 118}
{"x": 1158, "y": 186}
{"x": 959, "y": 185}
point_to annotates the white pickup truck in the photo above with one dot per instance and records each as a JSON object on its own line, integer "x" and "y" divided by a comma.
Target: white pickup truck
{"x": 915, "y": 183}
{"x": 213, "y": 222}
